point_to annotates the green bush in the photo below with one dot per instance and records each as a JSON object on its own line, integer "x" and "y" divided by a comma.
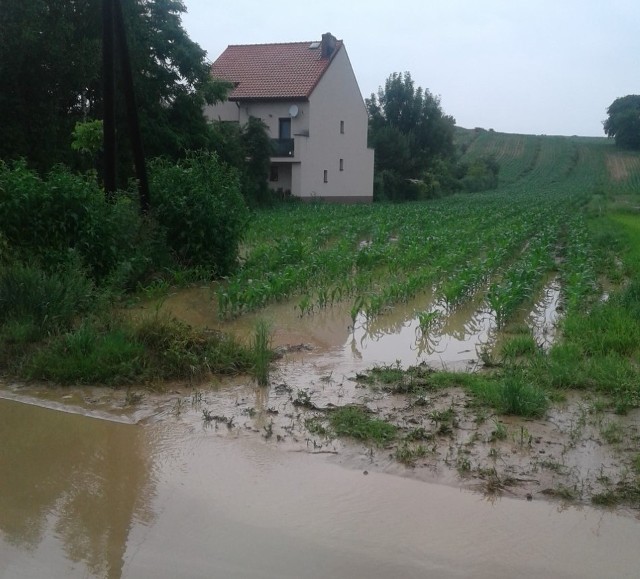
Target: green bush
{"x": 43, "y": 218}
{"x": 199, "y": 204}
{"x": 34, "y": 303}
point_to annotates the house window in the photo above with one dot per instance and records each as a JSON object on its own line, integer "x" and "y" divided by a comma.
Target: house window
{"x": 342, "y": 127}
{"x": 273, "y": 173}
{"x": 341, "y": 164}
{"x": 326, "y": 176}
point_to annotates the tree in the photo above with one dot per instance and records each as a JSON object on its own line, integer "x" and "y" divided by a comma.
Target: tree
{"x": 50, "y": 65}
{"x": 248, "y": 149}
{"x": 50, "y": 69}
{"x": 409, "y": 131}
{"x": 623, "y": 123}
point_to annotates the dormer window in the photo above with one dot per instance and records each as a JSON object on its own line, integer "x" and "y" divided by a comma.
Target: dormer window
{"x": 342, "y": 127}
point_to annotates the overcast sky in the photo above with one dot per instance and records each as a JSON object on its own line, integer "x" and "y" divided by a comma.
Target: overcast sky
{"x": 535, "y": 67}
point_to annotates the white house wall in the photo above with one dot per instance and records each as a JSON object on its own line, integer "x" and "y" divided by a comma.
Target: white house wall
{"x": 337, "y": 98}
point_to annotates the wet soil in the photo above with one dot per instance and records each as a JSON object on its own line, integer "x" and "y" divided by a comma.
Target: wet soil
{"x": 578, "y": 453}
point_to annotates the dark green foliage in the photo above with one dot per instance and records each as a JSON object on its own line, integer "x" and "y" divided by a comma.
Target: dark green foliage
{"x": 257, "y": 150}
{"x": 623, "y": 122}
{"x": 50, "y": 68}
{"x": 34, "y": 304}
{"x": 46, "y": 218}
{"x": 50, "y": 63}
{"x": 410, "y": 132}
{"x": 247, "y": 149}
{"x": 415, "y": 154}
{"x": 480, "y": 175}
{"x": 199, "y": 205}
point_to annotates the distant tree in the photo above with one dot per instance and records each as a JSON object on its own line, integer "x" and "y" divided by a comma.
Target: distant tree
{"x": 409, "y": 132}
{"x": 623, "y": 123}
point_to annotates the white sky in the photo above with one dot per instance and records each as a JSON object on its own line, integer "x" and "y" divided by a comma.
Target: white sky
{"x": 535, "y": 67}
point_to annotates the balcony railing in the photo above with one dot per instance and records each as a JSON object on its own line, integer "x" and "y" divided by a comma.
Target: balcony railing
{"x": 282, "y": 148}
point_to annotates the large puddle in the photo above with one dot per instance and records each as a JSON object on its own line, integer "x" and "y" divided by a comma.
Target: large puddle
{"x": 452, "y": 340}
{"x": 85, "y": 497}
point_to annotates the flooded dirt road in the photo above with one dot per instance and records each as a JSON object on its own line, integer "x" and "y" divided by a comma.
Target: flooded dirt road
{"x": 81, "y": 496}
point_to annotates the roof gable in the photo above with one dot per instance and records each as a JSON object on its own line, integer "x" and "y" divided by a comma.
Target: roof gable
{"x": 287, "y": 71}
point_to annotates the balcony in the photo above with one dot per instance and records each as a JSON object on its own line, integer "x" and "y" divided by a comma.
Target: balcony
{"x": 282, "y": 148}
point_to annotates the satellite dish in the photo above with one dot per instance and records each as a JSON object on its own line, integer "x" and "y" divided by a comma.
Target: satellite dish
{"x": 293, "y": 111}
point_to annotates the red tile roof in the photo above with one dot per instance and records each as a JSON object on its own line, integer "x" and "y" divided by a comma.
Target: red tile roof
{"x": 288, "y": 71}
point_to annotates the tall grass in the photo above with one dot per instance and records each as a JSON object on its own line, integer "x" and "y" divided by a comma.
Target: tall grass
{"x": 261, "y": 349}
{"x": 38, "y": 303}
{"x": 512, "y": 392}
{"x": 118, "y": 351}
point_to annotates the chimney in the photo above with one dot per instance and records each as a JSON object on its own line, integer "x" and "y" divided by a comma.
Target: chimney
{"x": 328, "y": 45}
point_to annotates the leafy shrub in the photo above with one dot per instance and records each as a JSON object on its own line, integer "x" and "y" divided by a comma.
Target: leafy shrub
{"x": 481, "y": 174}
{"x": 34, "y": 303}
{"x": 199, "y": 205}
{"x": 43, "y": 218}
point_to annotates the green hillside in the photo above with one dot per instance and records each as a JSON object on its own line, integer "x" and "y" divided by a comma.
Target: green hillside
{"x": 541, "y": 161}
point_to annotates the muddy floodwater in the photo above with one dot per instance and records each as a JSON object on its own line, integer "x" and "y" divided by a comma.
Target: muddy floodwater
{"x": 227, "y": 479}
{"x": 81, "y": 496}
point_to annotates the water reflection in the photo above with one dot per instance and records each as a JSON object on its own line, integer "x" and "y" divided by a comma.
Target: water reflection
{"x": 79, "y": 482}
{"x": 452, "y": 339}
{"x": 544, "y": 315}
{"x": 455, "y": 340}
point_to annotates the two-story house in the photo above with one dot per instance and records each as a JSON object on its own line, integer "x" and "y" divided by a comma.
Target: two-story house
{"x": 307, "y": 95}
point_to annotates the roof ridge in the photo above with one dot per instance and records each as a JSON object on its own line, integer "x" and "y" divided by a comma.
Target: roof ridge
{"x": 277, "y": 43}
{"x": 272, "y": 43}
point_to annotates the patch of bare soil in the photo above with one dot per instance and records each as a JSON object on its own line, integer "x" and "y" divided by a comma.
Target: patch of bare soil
{"x": 620, "y": 166}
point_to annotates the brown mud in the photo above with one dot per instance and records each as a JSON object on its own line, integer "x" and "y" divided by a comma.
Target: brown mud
{"x": 579, "y": 452}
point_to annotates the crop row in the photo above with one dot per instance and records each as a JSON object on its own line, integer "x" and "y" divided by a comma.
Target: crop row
{"x": 378, "y": 255}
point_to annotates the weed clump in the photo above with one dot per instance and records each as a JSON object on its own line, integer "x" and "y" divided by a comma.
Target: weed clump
{"x": 261, "y": 349}
{"x": 355, "y": 422}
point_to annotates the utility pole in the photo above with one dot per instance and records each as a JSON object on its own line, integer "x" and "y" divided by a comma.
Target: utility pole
{"x": 108, "y": 98}
{"x": 115, "y": 37}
